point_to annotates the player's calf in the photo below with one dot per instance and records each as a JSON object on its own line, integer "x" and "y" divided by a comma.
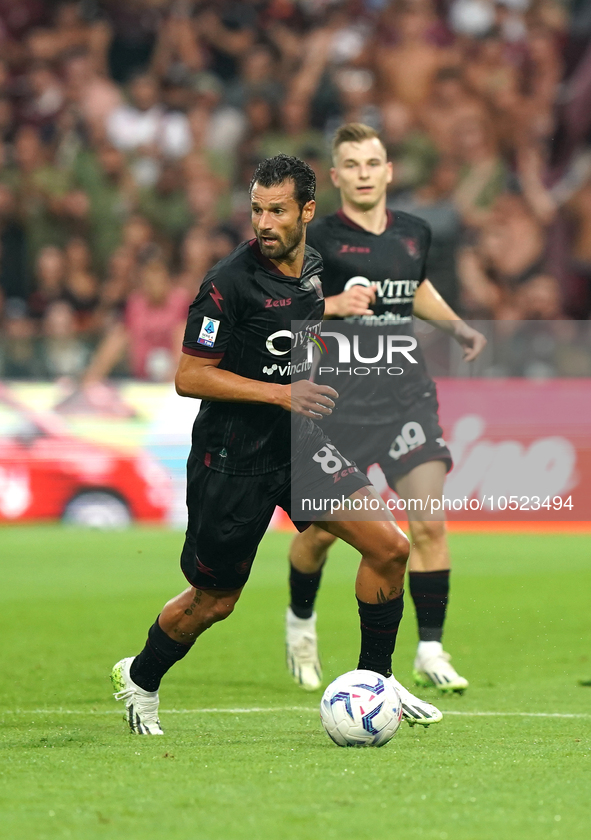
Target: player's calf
{"x": 172, "y": 635}
{"x": 187, "y": 616}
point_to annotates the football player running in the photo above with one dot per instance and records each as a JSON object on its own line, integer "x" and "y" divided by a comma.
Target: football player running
{"x": 374, "y": 275}
{"x": 242, "y": 462}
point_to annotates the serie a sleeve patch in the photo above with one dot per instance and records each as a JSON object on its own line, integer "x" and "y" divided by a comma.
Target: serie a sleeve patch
{"x": 209, "y": 331}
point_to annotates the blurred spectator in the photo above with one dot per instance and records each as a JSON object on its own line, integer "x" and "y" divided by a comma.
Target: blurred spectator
{"x": 118, "y": 284}
{"x": 448, "y": 105}
{"x": 225, "y": 123}
{"x": 137, "y": 234}
{"x": 16, "y": 20}
{"x": 578, "y": 214}
{"x": 152, "y": 330}
{"x": 295, "y": 136}
{"x": 81, "y": 288}
{"x": 411, "y": 150}
{"x": 196, "y": 259}
{"x": 261, "y": 118}
{"x": 165, "y": 204}
{"x": 45, "y": 99}
{"x": 257, "y": 79}
{"x": 110, "y": 191}
{"x": 327, "y": 197}
{"x": 63, "y": 353}
{"x": 19, "y": 358}
{"x": 489, "y": 73}
{"x": 50, "y": 273}
{"x": 502, "y": 276}
{"x": 351, "y": 99}
{"x": 134, "y": 25}
{"x": 204, "y": 200}
{"x": 43, "y": 194}
{"x": 178, "y": 52}
{"x": 227, "y": 27}
{"x": 483, "y": 172}
{"x": 144, "y": 126}
{"x": 204, "y": 154}
{"x": 92, "y": 94}
{"x": 7, "y": 120}
{"x": 407, "y": 58}
{"x": 67, "y": 30}
{"x": 13, "y": 281}
{"x": 223, "y": 240}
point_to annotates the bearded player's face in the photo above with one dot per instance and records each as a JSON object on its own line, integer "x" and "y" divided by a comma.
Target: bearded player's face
{"x": 278, "y": 220}
{"x": 361, "y": 172}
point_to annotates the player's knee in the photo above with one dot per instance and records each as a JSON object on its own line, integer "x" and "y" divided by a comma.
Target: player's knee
{"x": 426, "y": 533}
{"x": 321, "y": 540}
{"x": 221, "y": 610}
{"x": 392, "y": 551}
{"x": 399, "y": 547}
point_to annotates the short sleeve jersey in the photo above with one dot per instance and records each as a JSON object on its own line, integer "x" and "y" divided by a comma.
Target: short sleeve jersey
{"x": 243, "y": 316}
{"x": 395, "y": 262}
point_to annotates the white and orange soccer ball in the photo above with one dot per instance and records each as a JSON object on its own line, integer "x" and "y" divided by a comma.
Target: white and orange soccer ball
{"x": 361, "y": 709}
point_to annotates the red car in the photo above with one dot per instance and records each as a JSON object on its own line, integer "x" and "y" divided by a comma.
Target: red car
{"x": 47, "y": 473}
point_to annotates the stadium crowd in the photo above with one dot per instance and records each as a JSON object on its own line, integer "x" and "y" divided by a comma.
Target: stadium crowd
{"x": 129, "y": 132}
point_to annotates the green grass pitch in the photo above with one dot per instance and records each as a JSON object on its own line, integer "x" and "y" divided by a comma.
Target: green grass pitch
{"x": 499, "y": 765}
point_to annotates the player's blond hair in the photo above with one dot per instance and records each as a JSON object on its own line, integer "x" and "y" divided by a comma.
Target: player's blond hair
{"x": 353, "y": 133}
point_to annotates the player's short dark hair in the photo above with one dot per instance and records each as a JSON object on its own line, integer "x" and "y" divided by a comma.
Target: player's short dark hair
{"x": 353, "y": 133}
{"x": 276, "y": 170}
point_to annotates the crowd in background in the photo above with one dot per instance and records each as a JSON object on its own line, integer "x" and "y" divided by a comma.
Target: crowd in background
{"x": 129, "y": 132}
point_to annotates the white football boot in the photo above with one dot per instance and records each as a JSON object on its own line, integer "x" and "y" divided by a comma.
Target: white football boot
{"x": 302, "y": 650}
{"x": 415, "y": 710}
{"x": 432, "y": 667}
{"x": 141, "y": 707}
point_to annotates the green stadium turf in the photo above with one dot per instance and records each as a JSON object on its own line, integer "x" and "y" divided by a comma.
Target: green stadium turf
{"x": 244, "y": 756}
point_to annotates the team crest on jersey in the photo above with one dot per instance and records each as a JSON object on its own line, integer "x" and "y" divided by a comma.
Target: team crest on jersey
{"x": 314, "y": 283}
{"x": 412, "y": 246}
{"x": 209, "y": 330}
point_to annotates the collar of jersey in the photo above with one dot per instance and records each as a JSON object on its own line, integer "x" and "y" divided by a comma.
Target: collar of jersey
{"x": 350, "y": 223}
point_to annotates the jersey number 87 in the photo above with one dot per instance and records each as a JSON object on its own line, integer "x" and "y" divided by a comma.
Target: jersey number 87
{"x": 330, "y": 459}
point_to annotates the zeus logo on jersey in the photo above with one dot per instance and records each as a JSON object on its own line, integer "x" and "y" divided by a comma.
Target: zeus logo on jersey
{"x": 269, "y": 302}
{"x": 209, "y": 331}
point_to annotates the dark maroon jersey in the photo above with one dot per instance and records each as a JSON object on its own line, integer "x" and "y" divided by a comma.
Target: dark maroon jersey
{"x": 243, "y": 316}
{"x": 395, "y": 262}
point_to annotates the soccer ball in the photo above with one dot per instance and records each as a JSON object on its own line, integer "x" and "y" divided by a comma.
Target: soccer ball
{"x": 361, "y": 709}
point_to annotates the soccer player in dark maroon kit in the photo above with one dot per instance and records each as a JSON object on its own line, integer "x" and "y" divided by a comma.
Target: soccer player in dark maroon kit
{"x": 374, "y": 276}
{"x": 242, "y": 462}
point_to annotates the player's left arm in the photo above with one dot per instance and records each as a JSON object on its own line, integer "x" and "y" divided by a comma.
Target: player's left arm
{"x": 430, "y": 306}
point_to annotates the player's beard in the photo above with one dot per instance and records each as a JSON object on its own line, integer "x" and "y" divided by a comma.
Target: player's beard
{"x": 282, "y": 248}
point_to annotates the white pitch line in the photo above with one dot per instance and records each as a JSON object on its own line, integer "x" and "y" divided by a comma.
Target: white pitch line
{"x": 273, "y": 710}
{"x": 520, "y": 714}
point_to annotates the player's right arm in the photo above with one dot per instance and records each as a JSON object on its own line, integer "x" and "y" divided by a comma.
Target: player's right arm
{"x": 201, "y": 378}
{"x": 213, "y": 316}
